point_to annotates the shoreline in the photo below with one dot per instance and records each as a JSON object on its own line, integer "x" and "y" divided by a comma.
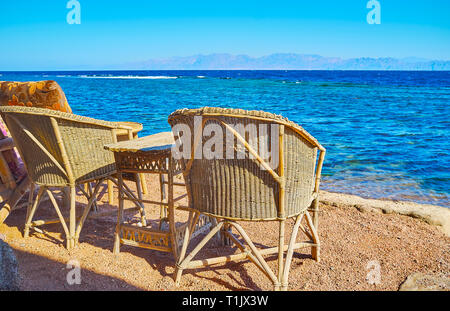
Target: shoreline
{"x": 435, "y": 215}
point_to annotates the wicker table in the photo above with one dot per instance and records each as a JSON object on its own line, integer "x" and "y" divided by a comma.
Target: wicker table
{"x": 151, "y": 154}
{"x": 125, "y": 135}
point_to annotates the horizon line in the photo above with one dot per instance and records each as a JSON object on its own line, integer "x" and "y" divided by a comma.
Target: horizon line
{"x": 234, "y": 69}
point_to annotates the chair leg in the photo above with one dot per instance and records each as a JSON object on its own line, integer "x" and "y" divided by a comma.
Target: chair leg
{"x": 87, "y": 210}
{"x": 66, "y": 197}
{"x": 110, "y": 192}
{"x": 290, "y": 252}
{"x": 185, "y": 262}
{"x": 91, "y": 194}
{"x": 280, "y": 282}
{"x": 245, "y": 250}
{"x": 58, "y": 211}
{"x": 30, "y": 199}
{"x": 186, "y": 239}
{"x": 72, "y": 219}
{"x": 315, "y": 216}
{"x": 315, "y": 250}
{"x": 31, "y": 210}
{"x": 280, "y": 252}
{"x": 258, "y": 255}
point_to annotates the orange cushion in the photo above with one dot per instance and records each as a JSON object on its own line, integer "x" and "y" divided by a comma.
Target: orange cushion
{"x": 42, "y": 94}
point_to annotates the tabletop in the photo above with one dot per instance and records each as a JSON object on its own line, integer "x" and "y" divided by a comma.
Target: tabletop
{"x": 156, "y": 142}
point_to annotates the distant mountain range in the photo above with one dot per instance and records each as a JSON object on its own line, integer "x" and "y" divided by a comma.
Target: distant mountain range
{"x": 287, "y": 61}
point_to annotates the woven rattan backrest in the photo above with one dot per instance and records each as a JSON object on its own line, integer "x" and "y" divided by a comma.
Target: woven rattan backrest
{"x": 58, "y": 148}
{"x": 243, "y": 189}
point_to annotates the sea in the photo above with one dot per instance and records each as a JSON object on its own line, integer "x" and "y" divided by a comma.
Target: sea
{"x": 386, "y": 132}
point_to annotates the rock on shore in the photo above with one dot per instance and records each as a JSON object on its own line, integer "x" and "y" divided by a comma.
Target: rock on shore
{"x": 9, "y": 275}
{"x": 424, "y": 282}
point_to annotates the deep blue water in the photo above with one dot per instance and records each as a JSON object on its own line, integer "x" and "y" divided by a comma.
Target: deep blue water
{"x": 386, "y": 132}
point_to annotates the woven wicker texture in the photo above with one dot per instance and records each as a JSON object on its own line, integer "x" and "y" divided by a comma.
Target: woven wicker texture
{"x": 240, "y": 189}
{"x": 38, "y": 134}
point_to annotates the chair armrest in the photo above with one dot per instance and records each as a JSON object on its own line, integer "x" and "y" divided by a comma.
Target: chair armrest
{"x": 128, "y": 129}
{"x": 123, "y": 127}
{"x": 134, "y": 126}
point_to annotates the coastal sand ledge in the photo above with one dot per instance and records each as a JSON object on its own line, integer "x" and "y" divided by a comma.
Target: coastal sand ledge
{"x": 433, "y": 214}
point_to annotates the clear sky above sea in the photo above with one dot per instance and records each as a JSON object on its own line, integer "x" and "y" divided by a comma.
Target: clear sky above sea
{"x": 36, "y": 36}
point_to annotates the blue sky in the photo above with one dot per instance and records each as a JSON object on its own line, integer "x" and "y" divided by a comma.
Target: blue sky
{"x": 36, "y": 36}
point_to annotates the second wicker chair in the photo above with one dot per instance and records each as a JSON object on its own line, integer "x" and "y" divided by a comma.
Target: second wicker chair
{"x": 65, "y": 151}
{"x": 238, "y": 183}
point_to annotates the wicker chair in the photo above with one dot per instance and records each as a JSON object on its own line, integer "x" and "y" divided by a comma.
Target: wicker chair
{"x": 64, "y": 151}
{"x": 248, "y": 188}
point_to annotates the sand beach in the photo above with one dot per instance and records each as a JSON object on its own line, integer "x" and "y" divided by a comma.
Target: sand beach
{"x": 404, "y": 239}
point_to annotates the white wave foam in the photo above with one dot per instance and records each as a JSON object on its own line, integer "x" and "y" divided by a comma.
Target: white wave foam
{"x": 201, "y": 77}
{"x": 128, "y": 77}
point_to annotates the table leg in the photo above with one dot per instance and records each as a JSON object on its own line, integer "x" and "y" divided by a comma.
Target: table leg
{"x": 163, "y": 208}
{"x": 139, "y": 191}
{"x": 172, "y": 227}
{"x": 116, "y": 249}
{"x": 141, "y": 175}
{"x": 143, "y": 184}
{"x": 224, "y": 238}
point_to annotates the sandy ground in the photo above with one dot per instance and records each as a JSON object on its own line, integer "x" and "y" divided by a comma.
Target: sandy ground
{"x": 351, "y": 238}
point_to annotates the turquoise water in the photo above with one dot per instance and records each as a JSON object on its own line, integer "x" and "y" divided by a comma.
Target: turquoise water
{"x": 386, "y": 133}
